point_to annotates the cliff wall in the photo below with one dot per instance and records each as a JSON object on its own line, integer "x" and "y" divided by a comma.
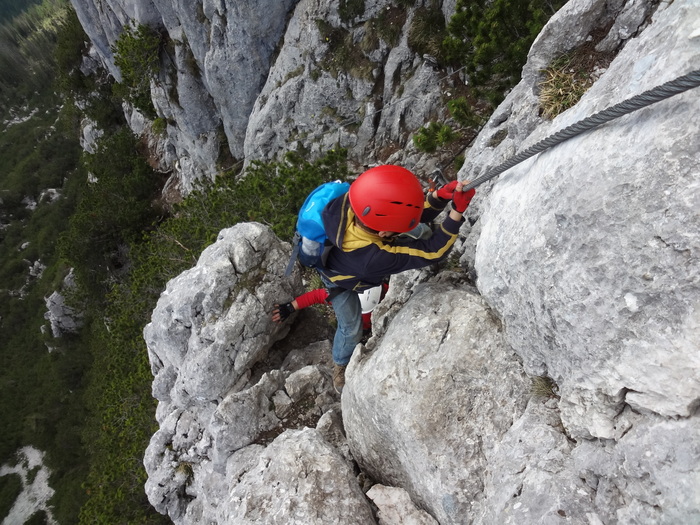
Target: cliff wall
{"x": 577, "y": 272}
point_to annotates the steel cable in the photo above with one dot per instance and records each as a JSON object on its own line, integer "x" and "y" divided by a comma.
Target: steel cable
{"x": 662, "y": 92}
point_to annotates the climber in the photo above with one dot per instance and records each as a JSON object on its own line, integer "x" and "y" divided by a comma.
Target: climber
{"x": 378, "y": 229}
{"x": 369, "y": 299}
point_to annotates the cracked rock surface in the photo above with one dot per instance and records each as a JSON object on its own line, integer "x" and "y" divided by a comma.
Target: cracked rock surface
{"x": 581, "y": 267}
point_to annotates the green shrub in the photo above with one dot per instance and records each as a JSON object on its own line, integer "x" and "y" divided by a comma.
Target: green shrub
{"x": 38, "y": 518}
{"x": 111, "y": 211}
{"x": 387, "y": 25}
{"x": 350, "y": 9}
{"x": 10, "y": 488}
{"x": 27, "y": 44}
{"x": 119, "y": 391}
{"x": 438, "y": 135}
{"x": 70, "y": 48}
{"x": 136, "y": 54}
{"x": 427, "y": 32}
{"x": 435, "y": 135}
{"x": 160, "y": 125}
{"x": 491, "y": 38}
{"x": 462, "y": 111}
{"x": 342, "y": 54}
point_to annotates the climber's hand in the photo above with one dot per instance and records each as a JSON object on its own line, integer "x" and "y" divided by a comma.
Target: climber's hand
{"x": 461, "y": 199}
{"x": 446, "y": 191}
{"x": 282, "y": 311}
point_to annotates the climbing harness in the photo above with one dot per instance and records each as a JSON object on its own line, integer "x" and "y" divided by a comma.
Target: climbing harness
{"x": 662, "y": 92}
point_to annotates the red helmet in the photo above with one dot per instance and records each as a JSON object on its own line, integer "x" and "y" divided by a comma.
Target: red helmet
{"x": 387, "y": 198}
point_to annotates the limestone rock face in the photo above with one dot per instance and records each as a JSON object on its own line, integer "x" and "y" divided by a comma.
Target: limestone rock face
{"x": 609, "y": 248}
{"x": 211, "y": 323}
{"x": 323, "y": 86}
{"x": 245, "y": 82}
{"x": 585, "y": 261}
{"x": 449, "y": 389}
{"x": 395, "y": 506}
{"x": 216, "y": 62}
{"x": 589, "y": 254}
{"x": 299, "y": 479}
{"x": 211, "y": 326}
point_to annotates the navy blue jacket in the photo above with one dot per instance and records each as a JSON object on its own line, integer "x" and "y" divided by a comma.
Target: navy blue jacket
{"x": 361, "y": 260}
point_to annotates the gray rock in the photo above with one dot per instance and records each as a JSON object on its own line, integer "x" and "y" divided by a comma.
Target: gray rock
{"x": 587, "y": 253}
{"x": 170, "y": 460}
{"x": 606, "y": 309}
{"x": 63, "y": 318}
{"x": 308, "y": 381}
{"x": 396, "y": 508}
{"x": 89, "y": 135}
{"x": 210, "y": 327}
{"x": 318, "y": 353}
{"x": 649, "y": 475}
{"x": 212, "y": 324}
{"x": 627, "y": 23}
{"x": 530, "y": 476}
{"x": 310, "y": 105}
{"x": 299, "y": 479}
{"x": 587, "y": 261}
{"x": 242, "y": 417}
{"x": 222, "y": 53}
{"x": 422, "y": 410}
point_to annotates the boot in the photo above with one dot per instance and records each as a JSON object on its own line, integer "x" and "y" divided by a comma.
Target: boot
{"x": 339, "y": 378}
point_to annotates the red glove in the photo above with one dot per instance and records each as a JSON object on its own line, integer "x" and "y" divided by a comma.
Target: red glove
{"x": 447, "y": 190}
{"x": 461, "y": 199}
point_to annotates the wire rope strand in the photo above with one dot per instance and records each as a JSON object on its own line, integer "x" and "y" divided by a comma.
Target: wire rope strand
{"x": 651, "y": 96}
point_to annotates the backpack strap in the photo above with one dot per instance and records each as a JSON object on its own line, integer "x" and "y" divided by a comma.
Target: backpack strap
{"x": 296, "y": 241}
{"x": 327, "y": 247}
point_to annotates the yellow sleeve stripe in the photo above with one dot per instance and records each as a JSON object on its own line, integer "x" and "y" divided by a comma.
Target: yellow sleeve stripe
{"x": 407, "y": 250}
{"x": 341, "y": 277}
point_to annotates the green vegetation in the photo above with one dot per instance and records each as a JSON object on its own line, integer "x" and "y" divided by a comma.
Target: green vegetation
{"x": 435, "y": 135}
{"x": 88, "y": 404}
{"x": 568, "y": 77}
{"x": 40, "y": 391}
{"x": 387, "y": 26}
{"x": 11, "y": 8}
{"x": 341, "y": 54}
{"x": 350, "y": 9}
{"x": 438, "y": 135}
{"x": 112, "y": 210}
{"x": 69, "y": 52}
{"x": 428, "y": 31}
{"x": 26, "y": 49}
{"x": 491, "y": 38}
{"x": 120, "y": 380}
{"x": 10, "y": 488}
{"x": 136, "y": 54}
{"x": 38, "y": 518}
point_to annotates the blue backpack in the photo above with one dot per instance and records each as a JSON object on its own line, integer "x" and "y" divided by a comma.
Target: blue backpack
{"x": 309, "y": 241}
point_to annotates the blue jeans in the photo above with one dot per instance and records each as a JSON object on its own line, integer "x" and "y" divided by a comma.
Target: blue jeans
{"x": 348, "y": 313}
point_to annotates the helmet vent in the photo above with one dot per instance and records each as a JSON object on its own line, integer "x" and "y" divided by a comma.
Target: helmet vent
{"x": 366, "y": 211}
